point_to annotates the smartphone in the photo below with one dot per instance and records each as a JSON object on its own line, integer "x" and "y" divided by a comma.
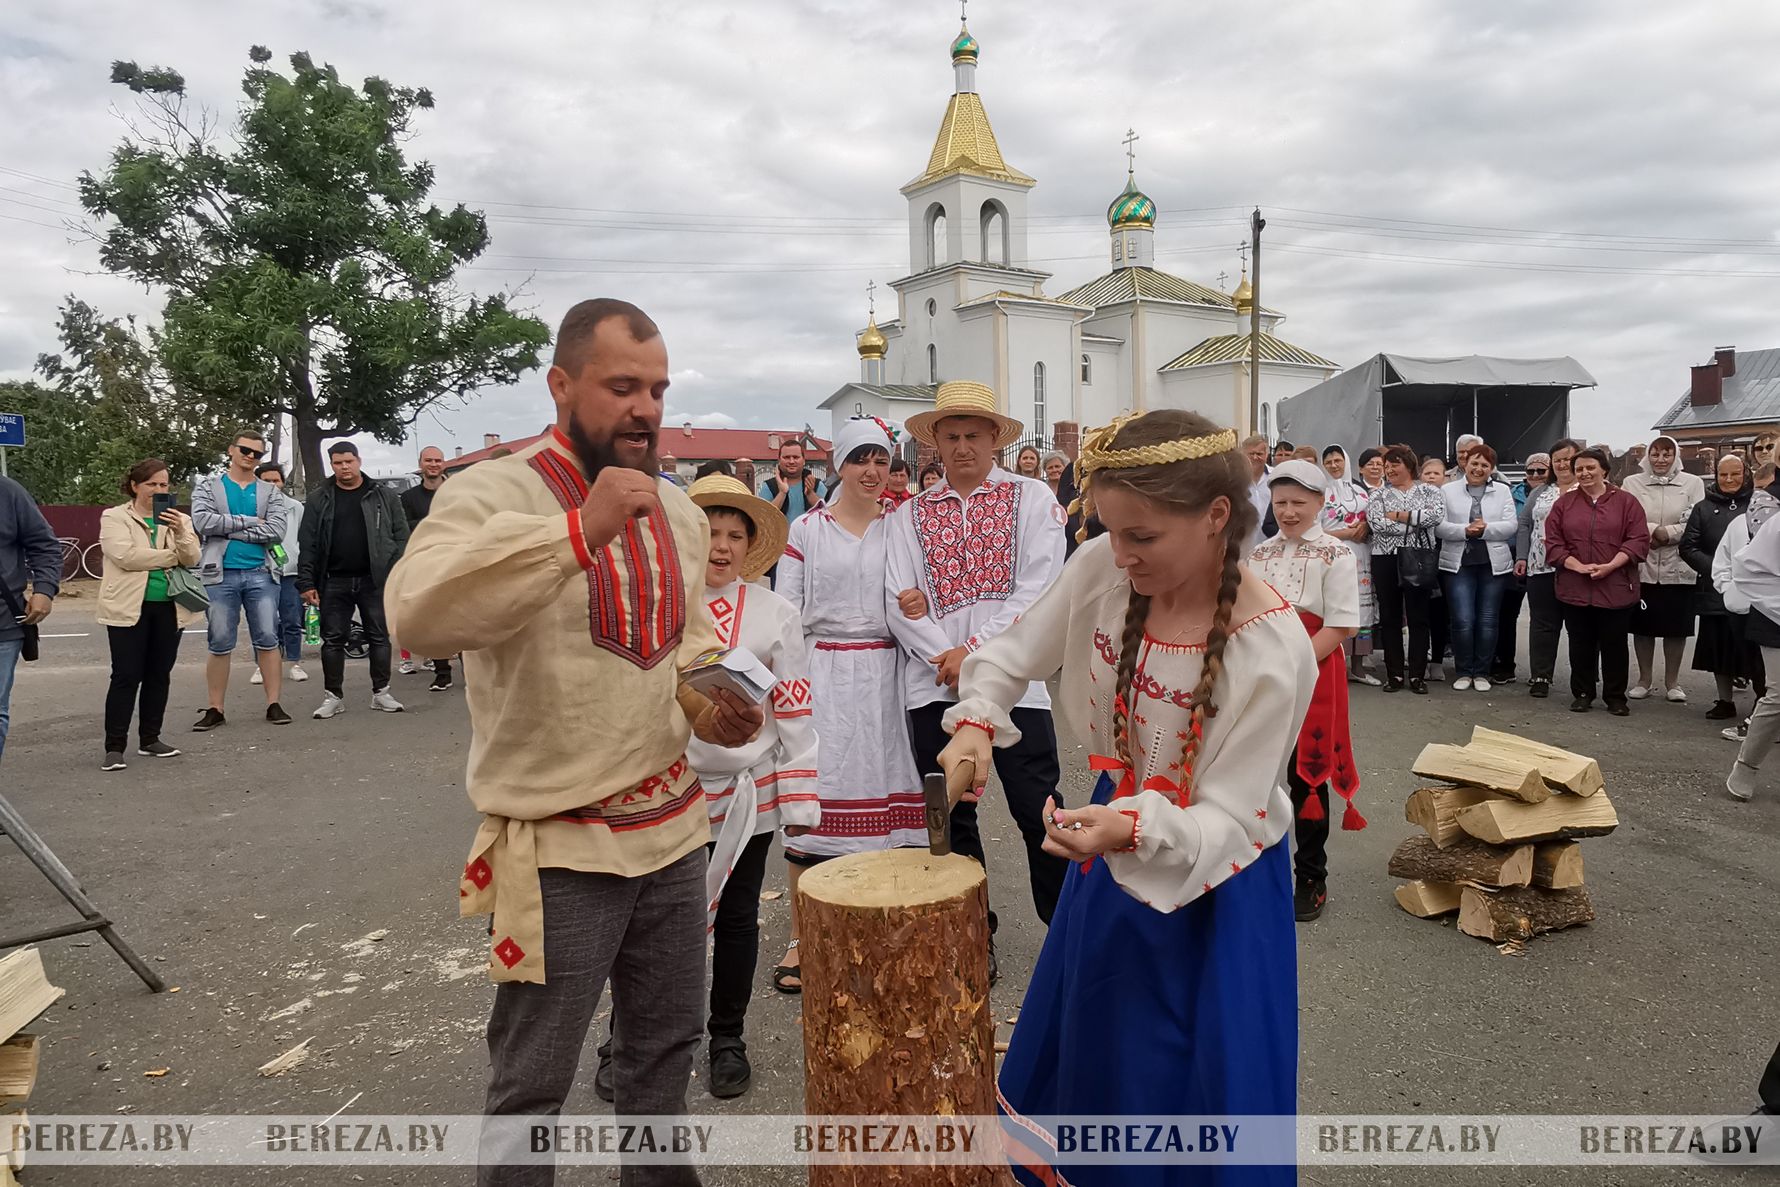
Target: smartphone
{"x": 164, "y": 502}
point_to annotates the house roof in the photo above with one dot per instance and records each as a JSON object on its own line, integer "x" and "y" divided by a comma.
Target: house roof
{"x": 1751, "y": 396}
{"x": 686, "y": 444}
{"x": 915, "y": 392}
{"x": 1128, "y": 284}
{"x": 1231, "y": 348}
{"x": 1007, "y": 295}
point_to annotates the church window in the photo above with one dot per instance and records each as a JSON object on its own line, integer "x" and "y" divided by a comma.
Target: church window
{"x": 994, "y": 231}
{"x": 936, "y": 235}
{"x": 1038, "y": 400}
{"x": 1266, "y": 421}
{"x": 1118, "y": 250}
{"x": 1087, "y": 369}
{"x": 932, "y": 363}
{"x": 932, "y": 307}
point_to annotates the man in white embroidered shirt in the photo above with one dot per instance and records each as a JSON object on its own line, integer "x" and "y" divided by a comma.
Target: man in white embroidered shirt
{"x": 965, "y": 559}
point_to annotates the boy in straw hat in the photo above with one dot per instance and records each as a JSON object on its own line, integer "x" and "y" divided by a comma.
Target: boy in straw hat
{"x": 751, "y": 791}
{"x": 967, "y": 558}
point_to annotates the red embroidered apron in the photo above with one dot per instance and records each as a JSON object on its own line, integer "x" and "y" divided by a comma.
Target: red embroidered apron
{"x": 1324, "y": 753}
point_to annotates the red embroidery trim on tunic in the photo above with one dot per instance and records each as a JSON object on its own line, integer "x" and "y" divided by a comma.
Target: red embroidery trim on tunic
{"x": 970, "y": 562}
{"x": 640, "y": 614}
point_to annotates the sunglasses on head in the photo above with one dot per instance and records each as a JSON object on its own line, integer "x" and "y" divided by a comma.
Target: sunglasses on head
{"x": 255, "y": 454}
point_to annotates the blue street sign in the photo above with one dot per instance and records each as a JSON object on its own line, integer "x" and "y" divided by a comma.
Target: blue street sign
{"x": 12, "y": 430}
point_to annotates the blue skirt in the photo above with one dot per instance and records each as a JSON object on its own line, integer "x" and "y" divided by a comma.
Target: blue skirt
{"x": 1136, "y": 1012}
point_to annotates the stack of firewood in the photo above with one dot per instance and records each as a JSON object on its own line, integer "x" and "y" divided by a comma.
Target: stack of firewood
{"x": 25, "y": 992}
{"x": 1500, "y": 836}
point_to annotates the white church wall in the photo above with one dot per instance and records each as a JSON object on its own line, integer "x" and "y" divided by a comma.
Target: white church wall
{"x": 1104, "y": 396}
{"x": 1034, "y": 338}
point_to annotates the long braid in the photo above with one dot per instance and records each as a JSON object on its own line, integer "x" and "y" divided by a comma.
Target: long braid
{"x": 1213, "y": 667}
{"x": 1137, "y": 612}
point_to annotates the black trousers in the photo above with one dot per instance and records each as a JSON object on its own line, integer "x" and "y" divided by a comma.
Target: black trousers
{"x": 1029, "y": 775}
{"x": 1514, "y": 594}
{"x": 1311, "y": 862}
{"x": 340, "y": 596}
{"x": 1598, "y": 642}
{"x": 736, "y": 939}
{"x": 1396, "y": 602}
{"x": 142, "y": 659}
{"x": 1546, "y": 623}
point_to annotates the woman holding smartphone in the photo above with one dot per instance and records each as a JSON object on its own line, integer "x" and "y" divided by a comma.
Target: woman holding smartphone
{"x": 141, "y": 538}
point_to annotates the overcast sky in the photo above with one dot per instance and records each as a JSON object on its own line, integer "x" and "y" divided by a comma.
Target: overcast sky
{"x": 733, "y": 168}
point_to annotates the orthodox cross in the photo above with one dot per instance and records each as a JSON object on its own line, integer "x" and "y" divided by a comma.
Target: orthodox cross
{"x": 1242, "y": 250}
{"x": 871, "y": 298}
{"x": 962, "y": 4}
{"x": 1131, "y": 138}
{"x": 1223, "y": 279}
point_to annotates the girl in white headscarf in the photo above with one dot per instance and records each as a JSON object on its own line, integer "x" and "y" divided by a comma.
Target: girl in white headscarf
{"x": 1344, "y": 517}
{"x": 833, "y": 572}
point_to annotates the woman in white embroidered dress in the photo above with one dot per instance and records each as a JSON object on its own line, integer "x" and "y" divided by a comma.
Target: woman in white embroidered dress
{"x": 833, "y": 572}
{"x": 1168, "y": 980}
{"x": 753, "y": 790}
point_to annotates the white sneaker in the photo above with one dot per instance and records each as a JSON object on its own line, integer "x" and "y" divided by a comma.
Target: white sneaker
{"x": 331, "y": 706}
{"x": 256, "y": 678}
{"x": 1678, "y": 696}
{"x": 1462, "y": 684}
{"x": 383, "y": 701}
{"x": 298, "y": 674}
{"x": 1636, "y": 692}
{"x": 1734, "y": 733}
{"x": 1741, "y": 781}
{"x": 407, "y": 668}
{"x": 1480, "y": 684}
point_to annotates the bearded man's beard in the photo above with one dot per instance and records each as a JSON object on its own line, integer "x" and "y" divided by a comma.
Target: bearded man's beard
{"x": 595, "y": 454}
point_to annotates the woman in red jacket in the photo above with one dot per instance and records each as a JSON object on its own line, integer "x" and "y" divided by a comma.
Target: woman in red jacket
{"x": 1595, "y": 537}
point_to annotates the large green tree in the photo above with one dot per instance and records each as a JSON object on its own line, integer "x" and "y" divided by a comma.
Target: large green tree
{"x": 104, "y": 406}
{"x": 307, "y": 273}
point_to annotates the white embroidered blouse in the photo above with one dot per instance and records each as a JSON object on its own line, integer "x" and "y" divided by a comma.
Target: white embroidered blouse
{"x": 1239, "y": 806}
{"x": 1316, "y": 573}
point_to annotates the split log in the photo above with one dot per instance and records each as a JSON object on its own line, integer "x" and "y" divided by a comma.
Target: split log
{"x": 1465, "y": 860}
{"x": 1562, "y": 770}
{"x": 1557, "y": 865}
{"x": 1522, "y": 912}
{"x": 1478, "y": 767}
{"x": 896, "y": 1017}
{"x": 25, "y": 991}
{"x": 1425, "y": 900}
{"x": 1436, "y": 809}
{"x": 1504, "y": 822}
{"x": 18, "y": 1067}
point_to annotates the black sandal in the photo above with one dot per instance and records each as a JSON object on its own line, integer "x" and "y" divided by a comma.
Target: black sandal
{"x": 785, "y": 972}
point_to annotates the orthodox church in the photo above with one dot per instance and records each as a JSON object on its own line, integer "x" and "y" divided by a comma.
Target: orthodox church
{"x": 971, "y": 307}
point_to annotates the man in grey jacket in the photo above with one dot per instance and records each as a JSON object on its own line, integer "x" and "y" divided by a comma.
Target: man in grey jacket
{"x": 239, "y": 520}
{"x": 30, "y": 578}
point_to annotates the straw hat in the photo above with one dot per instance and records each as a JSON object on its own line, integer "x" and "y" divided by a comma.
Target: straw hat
{"x": 963, "y": 398}
{"x": 770, "y": 528}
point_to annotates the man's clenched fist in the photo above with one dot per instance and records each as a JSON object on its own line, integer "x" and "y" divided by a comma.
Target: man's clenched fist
{"x": 618, "y": 496}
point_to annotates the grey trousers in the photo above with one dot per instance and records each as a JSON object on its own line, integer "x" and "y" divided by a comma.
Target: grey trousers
{"x": 647, "y": 935}
{"x": 1764, "y": 719}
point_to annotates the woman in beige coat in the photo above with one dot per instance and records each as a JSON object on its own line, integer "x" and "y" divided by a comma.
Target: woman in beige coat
{"x": 1666, "y": 584}
{"x": 140, "y": 617}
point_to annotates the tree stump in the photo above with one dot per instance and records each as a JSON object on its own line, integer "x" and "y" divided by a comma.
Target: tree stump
{"x": 896, "y": 1017}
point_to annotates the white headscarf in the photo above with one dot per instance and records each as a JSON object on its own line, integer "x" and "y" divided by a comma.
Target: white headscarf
{"x": 1347, "y": 491}
{"x": 856, "y": 434}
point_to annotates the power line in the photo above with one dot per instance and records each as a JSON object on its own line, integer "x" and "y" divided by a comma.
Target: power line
{"x": 30, "y": 222}
{"x": 1518, "y": 265}
{"x": 37, "y": 177}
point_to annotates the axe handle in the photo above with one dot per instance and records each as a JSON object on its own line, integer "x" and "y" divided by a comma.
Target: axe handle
{"x": 959, "y": 783}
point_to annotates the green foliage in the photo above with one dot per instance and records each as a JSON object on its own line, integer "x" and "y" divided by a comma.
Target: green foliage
{"x": 104, "y": 407}
{"x": 307, "y": 273}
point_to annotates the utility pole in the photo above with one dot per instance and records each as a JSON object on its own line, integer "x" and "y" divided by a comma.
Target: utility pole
{"x": 1256, "y": 223}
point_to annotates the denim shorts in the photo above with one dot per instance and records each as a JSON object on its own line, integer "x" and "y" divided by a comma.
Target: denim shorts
{"x": 256, "y": 591}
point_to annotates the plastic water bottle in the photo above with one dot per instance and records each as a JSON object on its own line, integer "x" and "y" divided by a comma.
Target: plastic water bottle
{"x": 312, "y": 626}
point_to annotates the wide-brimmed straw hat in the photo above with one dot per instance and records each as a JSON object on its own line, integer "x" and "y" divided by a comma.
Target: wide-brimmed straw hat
{"x": 770, "y": 528}
{"x": 963, "y": 398}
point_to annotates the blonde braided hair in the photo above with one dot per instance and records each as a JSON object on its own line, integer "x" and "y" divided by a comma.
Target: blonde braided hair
{"x": 1183, "y": 461}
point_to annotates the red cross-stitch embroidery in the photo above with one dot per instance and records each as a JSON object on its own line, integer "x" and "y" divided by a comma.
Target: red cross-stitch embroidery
{"x": 508, "y": 952}
{"x": 479, "y": 873}
{"x": 970, "y": 562}
{"x": 791, "y": 694}
{"x": 723, "y": 618}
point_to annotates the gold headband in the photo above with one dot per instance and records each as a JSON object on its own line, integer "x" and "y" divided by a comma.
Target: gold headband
{"x": 1098, "y": 454}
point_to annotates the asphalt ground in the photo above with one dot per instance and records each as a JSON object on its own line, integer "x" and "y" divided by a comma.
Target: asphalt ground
{"x": 252, "y": 870}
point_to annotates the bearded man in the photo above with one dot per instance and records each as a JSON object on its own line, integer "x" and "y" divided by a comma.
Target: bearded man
{"x": 570, "y": 575}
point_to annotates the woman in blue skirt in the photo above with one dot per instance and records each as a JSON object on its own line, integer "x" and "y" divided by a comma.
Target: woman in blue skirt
{"x": 1168, "y": 983}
